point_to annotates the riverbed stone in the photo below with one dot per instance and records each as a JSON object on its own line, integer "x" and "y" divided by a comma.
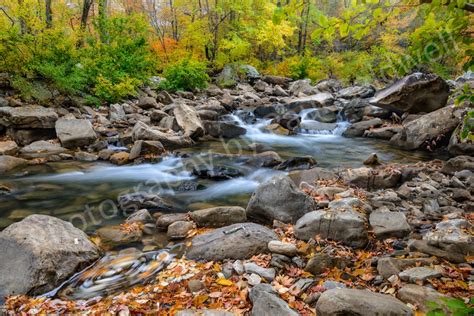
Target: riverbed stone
{"x": 237, "y": 241}
{"x": 386, "y": 132}
{"x": 283, "y": 248}
{"x": 204, "y": 312}
{"x": 266, "y": 301}
{"x": 42, "y": 149}
{"x": 146, "y": 147}
{"x": 424, "y": 247}
{"x": 140, "y": 216}
{"x": 179, "y": 229}
{"x": 266, "y": 273}
{"x": 223, "y": 129}
{"x": 189, "y": 121}
{"x": 414, "y": 93}
{"x": 346, "y": 226}
{"x": 8, "y": 163}
{"x": 314, "y": 101}
{"x": 279, "y": 199}
{"x": 75, "y": 133}
{"x": 457, "y": 164}
{"x": 389, "y": 266}
{"x": 113, "y": 236}
{"x": 363, "y": 91}
{"x": 219, "y": 216}
{"x": 320, "y": 262}
{"x": 324, "y": 115}
{"x": 141, "y": 131}
{"x": 31, "y": 116}
{"x": 39, "y": 253}
{"x": 119, "y": 158}
{"x": 8, "y": 147}
{"x": 372, "y": 179}
{"x": 142, "y": 200}
{"x": 419, "y": 296}
{"x": 418, "y": 274}
{"x": 358, "y": 129}
{"x": 359, "y": 302}
{"x": 302, "y": 87}
{"x": 452, "y": 236}
{"x": 419, "y": 132}
{"x": 311, "y": 175}
{"x": 166, "y": 220}
{"x": 386, "y": 224}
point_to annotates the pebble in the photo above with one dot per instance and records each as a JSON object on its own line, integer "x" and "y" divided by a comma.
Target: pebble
{"x": 254, "y": 279}
{"x": 238, "y": 267}
{"x": 195, "y": 286}
{"x": 266, "y": 273}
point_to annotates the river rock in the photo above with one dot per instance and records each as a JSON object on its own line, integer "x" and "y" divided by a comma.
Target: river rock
{"x": 294, "y": 163}
{"x": 39, "y": 253}
{"x": 8, "y": 147}
{"x": 354, "y": 110}
{"x": 140, "y": 216}
{"x": 8, "y": 163}
{"x": 119, "y": 158}
{"x": 237, "y": 241}
{"x": 370, "y": 179}
{"x": 30, "y": 116}
{"x": 311, "y": 175}
{"x": 146, "y": 103}
{"x": 165, "y": 98}
{"x": 146, "y": 147}
{"x": 223, "y": 129}
{"x": 165, "y": 220}
{"x": 114, "y": 236}
{"x": 302, "y": 87}
{"x": 457, "y": 164}
{"x": 179, "y": 229}
{"x": 235, "y": 73}
{"x": 359, "y": 302}
{"x": 324, "y": 115}
{"x": 389, "y": 266}
{"x": 346, "y": 226}
{"x": 41, "y": 149}
{"x": 414, "y": 93}
{"x": 288, "y": 120}
{"x": 365, "y": 91}
{"x": 266, "y": 302}
{"x": 457, "y": 146}
{"x": 279, "y": 199}
{"x": 318, "y": 126}
{"x": 451, "y": 236}
{"x": 314, "y": 101}
{"x": 141, "y": 131}
{"x": 419, "y": 296}
{"x": 386, "y": 132}
{"x": 204, "y": 312}
{"x": 266, "y": 159}
{"x": 75, "y": 133}
{"x": 26, "y": 136}
{"x": 219, "y": 216}
{"x": 142, "y": 200}
{"x": 283, "y": 248}
{"x": 266, "y": 110}
{"x": 277, "y": 80}
{"x": 386, "y": 224}
{"x": 424, "y": 247}
{"x": 279, "y": 91}
{"x": 117, "y": 113}
{"x": 189, "y": 121}
{"x": 416, "y": 274}
{"x": 216, "y": 173}
{"x": 266, "y": 273}
{"x": 207, "y": 115}
{"x": 421, "y": 131}
{"x": 358, "y": 129}
{"x": 320, "y": 262}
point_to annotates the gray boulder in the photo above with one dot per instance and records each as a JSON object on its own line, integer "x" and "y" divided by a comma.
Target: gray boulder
{"x": 302, "y": 86}
{"x": 370, "y": 179}
{"x": 189, "y": 121}
{"x": 266, "y": 302}
{"x": 421, "y": 131}
{"x": 238, "y": 241}
{"x": 279, "y": 199}
{"x": 75, "y": 133}
{"x": 458, "y": 163}
{"x": 451, "y": 236}
{"x": 417, "y": 274}
{"x": 27, "y": 117}
{"x": 314, "y": 101}
{"x": 364, "y": 91}
{"x": 414, "y": 93}
{"x": 346, "y": 226}
{"x": 387, "y": 224}
{"x": 223, "y": 129}
{"x": 39, "y": 253}
{"x": 141, "y": 131}
{"x": 419, "y": 296}
{"x": 41, "y": 149}
{"x": 8, "y": 147}
{"x": 219, "y": 216}
{"x": 235, "y": 73}
{"x": 311, "y": 175}
{"x": 386, "y": 132}
{"x": 8, "y": 163}
{"x": 359, "y": 302}
{"x": 324, "y": 115}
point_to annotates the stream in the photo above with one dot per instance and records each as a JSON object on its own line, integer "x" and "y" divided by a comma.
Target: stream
{"x": 86, "y": 193}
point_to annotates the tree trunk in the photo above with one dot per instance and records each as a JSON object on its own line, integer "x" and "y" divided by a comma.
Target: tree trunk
{"x": 49, "y": 14}
{"x": 85, "y": 13}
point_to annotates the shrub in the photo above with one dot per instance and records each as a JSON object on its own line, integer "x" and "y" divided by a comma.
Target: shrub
{"x": 185, "y": 75}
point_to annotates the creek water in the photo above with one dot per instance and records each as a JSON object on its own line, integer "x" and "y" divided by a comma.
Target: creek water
{"x": 86, "y": 193}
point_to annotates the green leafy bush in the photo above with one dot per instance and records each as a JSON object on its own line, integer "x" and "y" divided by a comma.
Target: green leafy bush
{"x": 185, "y": 75}
{"x": 450, "y": 306}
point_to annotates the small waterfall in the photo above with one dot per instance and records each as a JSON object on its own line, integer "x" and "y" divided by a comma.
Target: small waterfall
{"x": 313, "y": 127}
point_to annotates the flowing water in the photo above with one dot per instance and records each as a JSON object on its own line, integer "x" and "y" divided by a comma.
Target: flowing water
{"x": 86, "y": 193}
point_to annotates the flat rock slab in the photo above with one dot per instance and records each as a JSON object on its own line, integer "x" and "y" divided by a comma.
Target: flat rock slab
{"x": 8, "y": 163}
{"x": 75, "y": 133}
{"x": 359, "y": 302}
{"x": 28, "y": 117}
{"x": 238, "y": 241}
{"x": 219, "y": 216}
{"x": 389, "y": 224}
{"x": 418, "y": 274}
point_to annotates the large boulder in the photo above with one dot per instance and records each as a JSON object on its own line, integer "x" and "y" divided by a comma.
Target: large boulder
{"x": 303, "y": 86}
{"x": 75, "y": 133}
{"x": 27, "y": 117}
{"x": 279, "y": 199}
{"x": 237, "y": 241}
{"x": 355, "y": 110}
{"x": 141, "y": 131}
{"x": 364, "y": 91}
{"x": 343, "y": 225}
{"x": 39, "y": 253}
{"x": 311, "y": 175}
{"x": 189, "y": 121}
{"x": 25, "y": 136}
{"x": 372, "y": 179}
{"x": 234, "y": 73}
{"x": 314, "y": 101}
{"x": 8, "y": 147}
{"x": 223, "y": 129}
{"x": 414, "y": 93}
{"x": 359, "y": 303}
{"x": 8, "y": 163}
{"x": 265, "y": 301}
{"x": 42, "y": 149}
{"x": 277, "y": 80}
{"x": 421, "y": 131}
{"x": 219, "y": 216}
{"x": 387, "y": 224}
{"x": 324, "y": 115}
{"x": 452, "y": 236}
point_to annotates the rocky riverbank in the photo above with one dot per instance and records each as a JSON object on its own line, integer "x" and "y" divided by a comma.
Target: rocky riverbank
{"x": 386, "y": 238}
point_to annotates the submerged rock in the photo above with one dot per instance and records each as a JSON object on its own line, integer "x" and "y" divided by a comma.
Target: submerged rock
{"x": 39, "y": 253}
{"x": 294, "y": 163}
{"x": 238, "y": 241}
{"x": 359, "y": 302}
{"x": 414, "y": 93}
{"x": 142, "y": 200}
{"x": 279, "y": 199}
{"x": 216, "y": 173}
